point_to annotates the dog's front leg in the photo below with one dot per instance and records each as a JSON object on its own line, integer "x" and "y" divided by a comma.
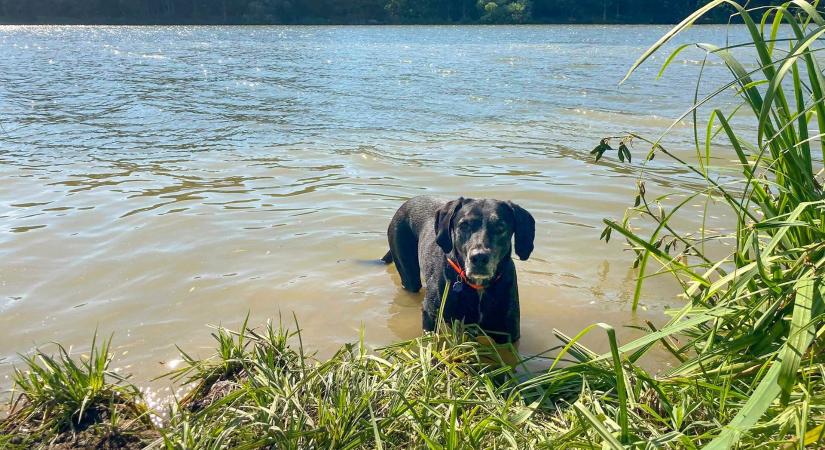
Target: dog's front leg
{"x": 428, "y": 321}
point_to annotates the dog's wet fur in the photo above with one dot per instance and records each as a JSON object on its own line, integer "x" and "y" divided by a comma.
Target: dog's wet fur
{"x": 477, "y": 235}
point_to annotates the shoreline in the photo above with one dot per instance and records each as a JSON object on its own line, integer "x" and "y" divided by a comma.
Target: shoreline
{"x": 117, "y": 414}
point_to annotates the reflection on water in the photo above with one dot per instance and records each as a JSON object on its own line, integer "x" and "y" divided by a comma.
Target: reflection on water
{"x": 156, "y": 179}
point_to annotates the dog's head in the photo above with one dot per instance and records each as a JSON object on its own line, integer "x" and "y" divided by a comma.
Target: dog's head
{"x": 479, "y": 232}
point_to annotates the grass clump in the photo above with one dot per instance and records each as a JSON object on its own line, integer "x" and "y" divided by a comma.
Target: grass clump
{"x": 60, "y": 402}
{"x": 439, "y": 391}
{"x": 751, "y": 330}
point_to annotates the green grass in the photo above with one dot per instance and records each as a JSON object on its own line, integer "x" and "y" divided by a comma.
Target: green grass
{"x": 63, "y": 396}
{"x": 748, "y": 341}
{"x": 437, "y": 391}
{"x": 440, "y": 391}
{"x": 761, "y": 347}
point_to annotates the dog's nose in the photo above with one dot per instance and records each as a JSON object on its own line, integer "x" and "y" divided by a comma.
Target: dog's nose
{"x": 479, "y": 258}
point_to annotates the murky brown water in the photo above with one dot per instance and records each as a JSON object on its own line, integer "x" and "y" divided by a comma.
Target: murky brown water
{"x": 157, "y": 179}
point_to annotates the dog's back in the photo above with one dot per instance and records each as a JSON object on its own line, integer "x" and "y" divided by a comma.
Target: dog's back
{"x": 414, "y": 222}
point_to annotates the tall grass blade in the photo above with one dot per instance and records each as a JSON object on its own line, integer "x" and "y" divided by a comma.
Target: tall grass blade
{"x": 681, "y": 26}
{"x": 801, "y": 333}
{"x": 598, "y": 426}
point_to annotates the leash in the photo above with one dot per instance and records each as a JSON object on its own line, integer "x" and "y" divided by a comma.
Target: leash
{"x": 458, "y": 286}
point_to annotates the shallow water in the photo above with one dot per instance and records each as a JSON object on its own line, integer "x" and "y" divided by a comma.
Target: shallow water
{"x": 157, "y": 179}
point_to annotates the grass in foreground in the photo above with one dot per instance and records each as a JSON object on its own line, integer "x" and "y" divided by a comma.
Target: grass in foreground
{"x": 64, "y": 403}
{"x": 261, "y": 390}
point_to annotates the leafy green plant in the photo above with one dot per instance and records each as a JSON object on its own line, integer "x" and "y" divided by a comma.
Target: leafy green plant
{"x": 65, "y": 394}
{"x": 60, "y": 397}
{"x": 439, "y": 390}
{"x": 753, "y": 320}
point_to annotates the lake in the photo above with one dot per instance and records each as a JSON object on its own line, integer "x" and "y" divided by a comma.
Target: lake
{"x": 154, "y": 180}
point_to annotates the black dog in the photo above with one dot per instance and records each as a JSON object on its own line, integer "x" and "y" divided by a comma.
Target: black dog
{"x": 464, "y": 243}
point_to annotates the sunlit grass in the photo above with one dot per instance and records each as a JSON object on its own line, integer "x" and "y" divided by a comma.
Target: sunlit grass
{"x": 64, "y": 395}
{"x": 438, "y": 390}
{"x": 756, "y": 344}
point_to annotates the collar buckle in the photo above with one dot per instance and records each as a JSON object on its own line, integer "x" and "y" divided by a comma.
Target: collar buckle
{"x": 462, "y": 278}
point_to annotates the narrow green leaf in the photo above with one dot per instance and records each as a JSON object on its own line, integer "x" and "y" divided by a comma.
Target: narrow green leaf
{"x": 810, "y": 11}
{"x": 759, "y": 402}
{"x": 621, "y": 390}
{"x": 681, "y": 26}
{"x": 670, "y": 59}
{"x": 801, "y": 333}
{"x": 773, "y": 89}
{"x": 597, "y": 425}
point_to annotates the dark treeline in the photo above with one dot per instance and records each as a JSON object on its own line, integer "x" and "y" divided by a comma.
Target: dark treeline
{"x": 352, "y": 11}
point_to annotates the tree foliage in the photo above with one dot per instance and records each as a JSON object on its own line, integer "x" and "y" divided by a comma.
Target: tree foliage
{"x": 353, "y": 11}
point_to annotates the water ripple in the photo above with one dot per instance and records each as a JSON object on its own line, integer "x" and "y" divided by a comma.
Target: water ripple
{"x": 155, "y": 179}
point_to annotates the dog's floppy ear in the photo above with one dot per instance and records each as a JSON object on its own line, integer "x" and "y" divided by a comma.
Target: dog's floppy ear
{"x": 525, "y": 231}
{"x": 444, "y": 224}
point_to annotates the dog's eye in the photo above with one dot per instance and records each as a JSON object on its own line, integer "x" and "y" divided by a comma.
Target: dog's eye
{"x": 464, "y": 226}
{"x": 497, "y": 226}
